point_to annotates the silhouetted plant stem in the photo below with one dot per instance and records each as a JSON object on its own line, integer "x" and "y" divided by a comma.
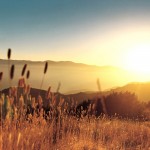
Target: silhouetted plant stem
{"x": 28, "y": 76}
{"x": 9, "y": 56}
{"x": 23, "y": 70}
{"x": 12, "y": 70}
{"x": 45, "y": 70}
{"x": 42, "y": 81}
{"x": 58, "y": 87}
{"x": 1, "y": 76}
{"x": 101, "y": 98}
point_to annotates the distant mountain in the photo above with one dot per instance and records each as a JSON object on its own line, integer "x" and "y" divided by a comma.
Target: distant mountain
{"x": 55, "y": 63}
{"x": 74, "y": 77}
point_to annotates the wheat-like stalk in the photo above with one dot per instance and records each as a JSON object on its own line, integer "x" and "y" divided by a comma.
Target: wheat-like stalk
{"x": 12, "y": 70}
{"x": 48, "y": 93}
{"x": 1, "y": 75}
{"x": 11, "y": 74}
{"x": 46, "y": 67}
{"x": 101, "y": 98}
{"x": 9, "y": 56}
{"x": 27, "y": 76}
{"x": 58, "y": 87}
{"x": 45, "y": 70}
{"x": 23, "y": 70}
{"x": 9, "y": 53}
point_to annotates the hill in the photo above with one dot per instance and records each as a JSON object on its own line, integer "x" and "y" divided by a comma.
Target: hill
{"x": 142, "y": 90}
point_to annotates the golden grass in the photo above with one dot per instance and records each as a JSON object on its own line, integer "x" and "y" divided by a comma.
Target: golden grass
{"x": 69, "y": 133}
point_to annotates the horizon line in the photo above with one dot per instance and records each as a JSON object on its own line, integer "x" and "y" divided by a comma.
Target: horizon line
{"x": 69, "y": 61}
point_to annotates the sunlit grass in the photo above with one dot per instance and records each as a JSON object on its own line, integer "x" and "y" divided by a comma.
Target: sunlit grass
{"x": 72, "y": 133}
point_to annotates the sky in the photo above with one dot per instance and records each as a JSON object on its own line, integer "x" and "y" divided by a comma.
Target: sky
{"x": 96, "y": 32}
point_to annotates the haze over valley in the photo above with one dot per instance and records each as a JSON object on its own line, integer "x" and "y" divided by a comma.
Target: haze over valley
{"x": 74, "y": 77}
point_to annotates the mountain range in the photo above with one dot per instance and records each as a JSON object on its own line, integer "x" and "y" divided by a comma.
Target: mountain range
{"x": 76, "y": 78}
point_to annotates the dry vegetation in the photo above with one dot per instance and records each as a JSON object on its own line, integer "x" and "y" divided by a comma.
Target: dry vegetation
{"x": 71, "y": 133}
{"x": 26, "y": 124}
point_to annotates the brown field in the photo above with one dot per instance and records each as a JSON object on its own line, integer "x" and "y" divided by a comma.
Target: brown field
{"x": 70, "y": 133}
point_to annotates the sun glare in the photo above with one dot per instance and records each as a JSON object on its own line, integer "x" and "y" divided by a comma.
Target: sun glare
{"x": 138, "y": 59}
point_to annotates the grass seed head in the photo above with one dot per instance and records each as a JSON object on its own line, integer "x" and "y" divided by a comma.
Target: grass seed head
{"x": 1, "y": 75}
{"x": 12, "y": 72}
{"x": 9, "y": 53}
{"x": 46, "y": 67}
{"x": 28, "y": 74}
{"x": 23, "y": 69}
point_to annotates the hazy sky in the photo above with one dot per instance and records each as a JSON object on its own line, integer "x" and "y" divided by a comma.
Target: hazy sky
{"x": 101, "y": 32}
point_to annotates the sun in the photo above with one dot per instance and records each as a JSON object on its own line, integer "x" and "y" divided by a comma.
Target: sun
{"x": 138, "y": 59}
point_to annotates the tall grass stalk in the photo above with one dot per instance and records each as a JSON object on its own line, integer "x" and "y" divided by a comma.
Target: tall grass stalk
{"x": 9, "y": 57}
{"x": 58, "y": 87}
{"x": 23, "y": 70}
{"x": 12, "y": 70}
{"x": 27, "y": 76}
{"x": 101, "y": 98}
{"x": 45, "y": 70}
{"x": 1, "y": 103}
{"x": 1, "y": 76}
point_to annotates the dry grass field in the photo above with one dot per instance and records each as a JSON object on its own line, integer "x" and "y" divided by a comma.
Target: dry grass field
{"x": 69, "y": 133}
